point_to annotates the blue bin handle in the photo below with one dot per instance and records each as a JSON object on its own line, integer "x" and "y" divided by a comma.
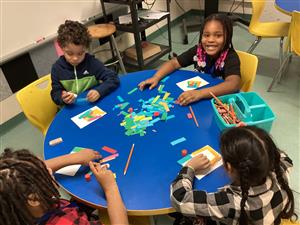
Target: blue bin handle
{"x": 245, "y": 115}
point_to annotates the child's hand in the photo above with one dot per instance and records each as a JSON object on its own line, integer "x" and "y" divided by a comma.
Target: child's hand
{"x": 104, "y": 176}
{"x": 68, "y": 97}
{"x": 188, "y": 97}
{"x": 93, "y": 96}
{"x": 86, "y": 155}
{"x": 153, "y": 81}
{"x": 199, "y": 163}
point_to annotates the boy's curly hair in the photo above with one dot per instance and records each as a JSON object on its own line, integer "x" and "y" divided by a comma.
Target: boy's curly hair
{"x": 73, "y": 32}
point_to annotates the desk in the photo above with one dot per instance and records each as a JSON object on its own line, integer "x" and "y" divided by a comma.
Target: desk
{"x": 287, "y": 6}
{"x": 145, "y": 188}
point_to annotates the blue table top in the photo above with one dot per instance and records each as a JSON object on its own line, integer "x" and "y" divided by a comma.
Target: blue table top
{"x": 145, "y": 188}
{"x": 288, "y": 6}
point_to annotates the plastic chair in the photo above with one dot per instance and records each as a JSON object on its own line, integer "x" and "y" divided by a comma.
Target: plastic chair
{"x": 293, "y": 45}
{"x": 288, "y": 222}
{"x": 248, "y": 69}
{"x": 98, "y": 31}
{"x": 261, "y": 30}
{"x": 36, "y": 103}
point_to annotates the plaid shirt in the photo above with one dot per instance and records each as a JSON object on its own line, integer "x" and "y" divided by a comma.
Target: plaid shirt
{"x": 67, "y": 214}
{"x": 263, "y": 206}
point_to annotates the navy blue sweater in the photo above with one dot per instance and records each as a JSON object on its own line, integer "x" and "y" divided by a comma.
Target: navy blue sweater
{"x": 89, "y": 74}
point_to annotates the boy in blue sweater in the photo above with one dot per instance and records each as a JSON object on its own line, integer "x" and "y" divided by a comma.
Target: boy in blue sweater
{"x": 77, "y": 71}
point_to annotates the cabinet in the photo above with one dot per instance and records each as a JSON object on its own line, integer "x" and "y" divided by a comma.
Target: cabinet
{"x": 138, "y": 29}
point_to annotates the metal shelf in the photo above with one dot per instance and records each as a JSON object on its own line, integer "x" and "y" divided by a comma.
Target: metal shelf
{"x": 143, "y": 24}
{"x": 137, "y": 28}
{"x": 134, "y": 63}
{"x": 123, "y": 2}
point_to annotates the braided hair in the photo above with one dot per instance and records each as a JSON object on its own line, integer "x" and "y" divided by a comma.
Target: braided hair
{"x": 254, "y": 155}
{"x": 226, "y": 23}
{"x": 23, "y": 175}
{"x": 73, "y": 32}
{"x": 277, "y": 166}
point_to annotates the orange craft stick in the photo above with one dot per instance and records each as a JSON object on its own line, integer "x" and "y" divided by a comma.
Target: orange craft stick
{"x": 194, "y": 117}
{"x": 220, "y": 103}
{"x": 128, "y": 160}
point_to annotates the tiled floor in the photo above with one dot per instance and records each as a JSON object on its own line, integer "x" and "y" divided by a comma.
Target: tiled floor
{"x": 284, "y": 100}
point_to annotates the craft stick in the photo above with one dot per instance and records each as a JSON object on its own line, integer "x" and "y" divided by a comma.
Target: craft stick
{"x": 220, "y": 103}
{"x": 120, "y": 98}
{"x": 55, "y": 141}
{"x": 194, "y": 117}
{"x": 128, "y": 160}
{"x": 133, "y": 90}
{"x": 177, "y": 141}
{"x": 109, "y": 158}
{"x": 164, "y": 80}
{"x": 110, "y": 150}
{"x": 217, "y": 100}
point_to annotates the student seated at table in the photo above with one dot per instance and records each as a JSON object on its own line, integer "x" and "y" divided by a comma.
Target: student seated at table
{"x": 214, "y": 55}
{"x": 259, "y": 193}
{"x": 77, "y": 71}
{"x": 29, "y": 195}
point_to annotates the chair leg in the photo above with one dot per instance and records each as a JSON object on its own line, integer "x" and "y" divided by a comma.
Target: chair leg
{"x": 118, "y": 54}
{"x": 278, "y": 74}
{"x": 254, "y": 44}
{"x": 281, "y": 50}
{"x": 185, "y": 32}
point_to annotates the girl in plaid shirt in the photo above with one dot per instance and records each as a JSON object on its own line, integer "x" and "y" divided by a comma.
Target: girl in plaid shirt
{"x": 259, "y": 193}
{"x": 29, "y": 195}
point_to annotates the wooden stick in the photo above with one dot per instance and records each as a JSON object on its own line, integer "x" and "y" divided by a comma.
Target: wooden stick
{"x": 128, "y": 160}
{"x": 221, "y": 104}
{"x": 194, "y": 117}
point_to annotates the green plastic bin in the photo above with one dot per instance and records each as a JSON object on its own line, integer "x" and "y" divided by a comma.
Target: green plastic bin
{"x": 249, "y": 108}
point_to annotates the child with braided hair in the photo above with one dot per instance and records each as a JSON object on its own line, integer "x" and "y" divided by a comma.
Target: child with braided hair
{"x": 214, "y": 55}
{"x": 259, "y": 193}
{"x": 29, "y": 195}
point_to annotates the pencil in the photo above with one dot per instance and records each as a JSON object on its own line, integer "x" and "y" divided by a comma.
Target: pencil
{"x": 221, "y": 104}
{"x": 194, "y": 117}
{"x": 128, "y": 160}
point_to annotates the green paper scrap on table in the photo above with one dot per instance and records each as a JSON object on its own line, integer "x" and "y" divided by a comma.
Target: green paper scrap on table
{"x": 136, "y": 121}
{"x": 72, "y": 169}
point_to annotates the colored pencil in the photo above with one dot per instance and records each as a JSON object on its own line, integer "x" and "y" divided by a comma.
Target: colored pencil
{"x": 221, "y": 104}
{"x": 194, "y": 117}
{"x": 128, "y": 160}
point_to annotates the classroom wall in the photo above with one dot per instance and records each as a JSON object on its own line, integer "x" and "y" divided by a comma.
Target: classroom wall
{"x": 24, "y": 23}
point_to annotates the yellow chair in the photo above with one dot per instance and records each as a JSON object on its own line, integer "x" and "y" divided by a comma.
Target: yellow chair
{"x": 288, "y": 222}
{"x": 248, "y": 69}
{"x": 36, "y": 103}
{"x": 293, "y": 44}
{"x": 261, "y": 30}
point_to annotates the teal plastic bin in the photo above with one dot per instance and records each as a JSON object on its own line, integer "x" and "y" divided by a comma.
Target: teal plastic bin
{"x": 249, "y": 108}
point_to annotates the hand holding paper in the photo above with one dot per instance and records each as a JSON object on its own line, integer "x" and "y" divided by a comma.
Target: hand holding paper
{"x": 199, "y": 163}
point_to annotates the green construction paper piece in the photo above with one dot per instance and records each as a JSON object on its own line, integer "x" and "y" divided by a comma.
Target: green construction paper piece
{"x": 123, "y": 105}
{"x": 76, "y": 149}
{"x": 164, "y": 116}
{"x": 133, "y": 90}
{"x": 124, "y": 113}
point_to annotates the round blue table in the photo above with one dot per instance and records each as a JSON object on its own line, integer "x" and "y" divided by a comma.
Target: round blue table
{"x": 287, "y": 6}
{"x": 145, "y": 188}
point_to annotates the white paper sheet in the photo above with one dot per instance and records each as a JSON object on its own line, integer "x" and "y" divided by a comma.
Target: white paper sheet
{"x": 184, "y": 84}
{"x": 85, "y": 118}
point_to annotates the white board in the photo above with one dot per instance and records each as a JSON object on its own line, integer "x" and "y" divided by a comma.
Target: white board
{"x": 24, "y": 22}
